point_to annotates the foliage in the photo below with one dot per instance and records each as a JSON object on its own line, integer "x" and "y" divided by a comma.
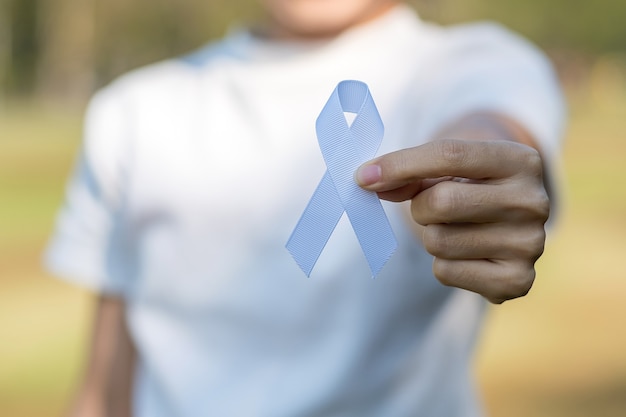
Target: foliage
{"x": 593, "y": 27}
{"x": 69, "y": 47}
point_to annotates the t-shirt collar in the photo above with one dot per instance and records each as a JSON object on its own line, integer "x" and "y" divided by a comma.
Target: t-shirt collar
{"x": 247, "y": 45}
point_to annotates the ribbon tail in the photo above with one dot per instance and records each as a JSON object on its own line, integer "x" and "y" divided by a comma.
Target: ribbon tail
{"x": 316, "y": 225}
{"x": 372, "y": 229}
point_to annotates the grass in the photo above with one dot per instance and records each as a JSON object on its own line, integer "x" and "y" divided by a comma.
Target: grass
{"x": 42, "y": 321}
{"x": 560, "y": 351}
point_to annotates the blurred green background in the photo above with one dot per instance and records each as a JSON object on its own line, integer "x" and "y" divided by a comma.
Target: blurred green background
{"x": 560, "y": 351}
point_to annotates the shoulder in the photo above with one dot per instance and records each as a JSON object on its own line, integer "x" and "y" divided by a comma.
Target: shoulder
{"x": 147, "y": 83}
{"x": 482, "y": 31}
{"x": 490, "y": 53}
{"x": 488, "y": 40}
{"x": 167, "y": 78}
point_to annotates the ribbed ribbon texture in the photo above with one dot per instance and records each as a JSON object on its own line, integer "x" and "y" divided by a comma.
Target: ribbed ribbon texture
{"x": 344, "y": 148}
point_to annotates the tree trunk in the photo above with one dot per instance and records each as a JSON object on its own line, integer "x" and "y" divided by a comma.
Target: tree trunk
{"x": 5, "y": 49}
{"x": 67, "y": 31}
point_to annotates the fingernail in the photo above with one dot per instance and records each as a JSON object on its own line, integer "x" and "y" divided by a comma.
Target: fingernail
{"x": 368, "y": 174}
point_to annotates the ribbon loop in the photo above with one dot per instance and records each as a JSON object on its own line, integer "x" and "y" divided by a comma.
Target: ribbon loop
{"x": 344, "y": 149}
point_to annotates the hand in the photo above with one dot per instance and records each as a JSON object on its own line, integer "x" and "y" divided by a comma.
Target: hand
{"x": 483, "y": 205}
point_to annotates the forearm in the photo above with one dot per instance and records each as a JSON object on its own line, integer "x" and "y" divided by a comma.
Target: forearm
{"x": 487, "y": 126}
{"x": 106, "y": 390}
{"x": 493, "y": 126}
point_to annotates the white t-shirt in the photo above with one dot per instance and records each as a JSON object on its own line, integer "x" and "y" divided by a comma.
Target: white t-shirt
{"x": 195, "y": 171}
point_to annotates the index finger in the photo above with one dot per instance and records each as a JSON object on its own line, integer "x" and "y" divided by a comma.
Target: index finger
{"x": 480, "y": 160}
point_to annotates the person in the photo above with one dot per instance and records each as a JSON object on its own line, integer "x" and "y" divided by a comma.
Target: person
{"x": 195, "y": 170}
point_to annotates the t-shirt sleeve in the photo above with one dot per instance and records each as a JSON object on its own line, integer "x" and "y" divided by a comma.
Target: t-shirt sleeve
{"x": 88, "y": 244}
{"x": 485, "y": 67}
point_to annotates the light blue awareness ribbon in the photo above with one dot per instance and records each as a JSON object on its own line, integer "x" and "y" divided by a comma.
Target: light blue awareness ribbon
{"x": 344, "y": 149}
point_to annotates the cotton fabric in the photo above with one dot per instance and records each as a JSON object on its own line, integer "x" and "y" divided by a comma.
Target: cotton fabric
{"x": 194, "y": 172}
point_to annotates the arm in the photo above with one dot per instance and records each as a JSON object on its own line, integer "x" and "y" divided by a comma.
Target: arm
{"x": 107, "y": 385}
{"x": 480, "y": 198}
{"x": 492, "y": 126}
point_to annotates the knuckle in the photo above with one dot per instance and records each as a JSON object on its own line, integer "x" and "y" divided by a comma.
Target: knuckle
{"x": 399, "y": 166}
{"x": 518, "y": 282}
{"x": 443, "y": 271}
{"x": 542, "y": 205}
{"x": 531, "y": 204}
{"x": 435, "y": 240}
{"x": 532, "y": 243}
{"x": 451, "y": 151}
{"x": 538, "y": 242}
{"x": 533, "y": 163}
{"x": 443, "y": 200}
{"x": 533, "y": 160}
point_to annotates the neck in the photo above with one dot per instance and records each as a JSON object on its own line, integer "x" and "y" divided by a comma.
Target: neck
{"x": 276, "y": 29}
